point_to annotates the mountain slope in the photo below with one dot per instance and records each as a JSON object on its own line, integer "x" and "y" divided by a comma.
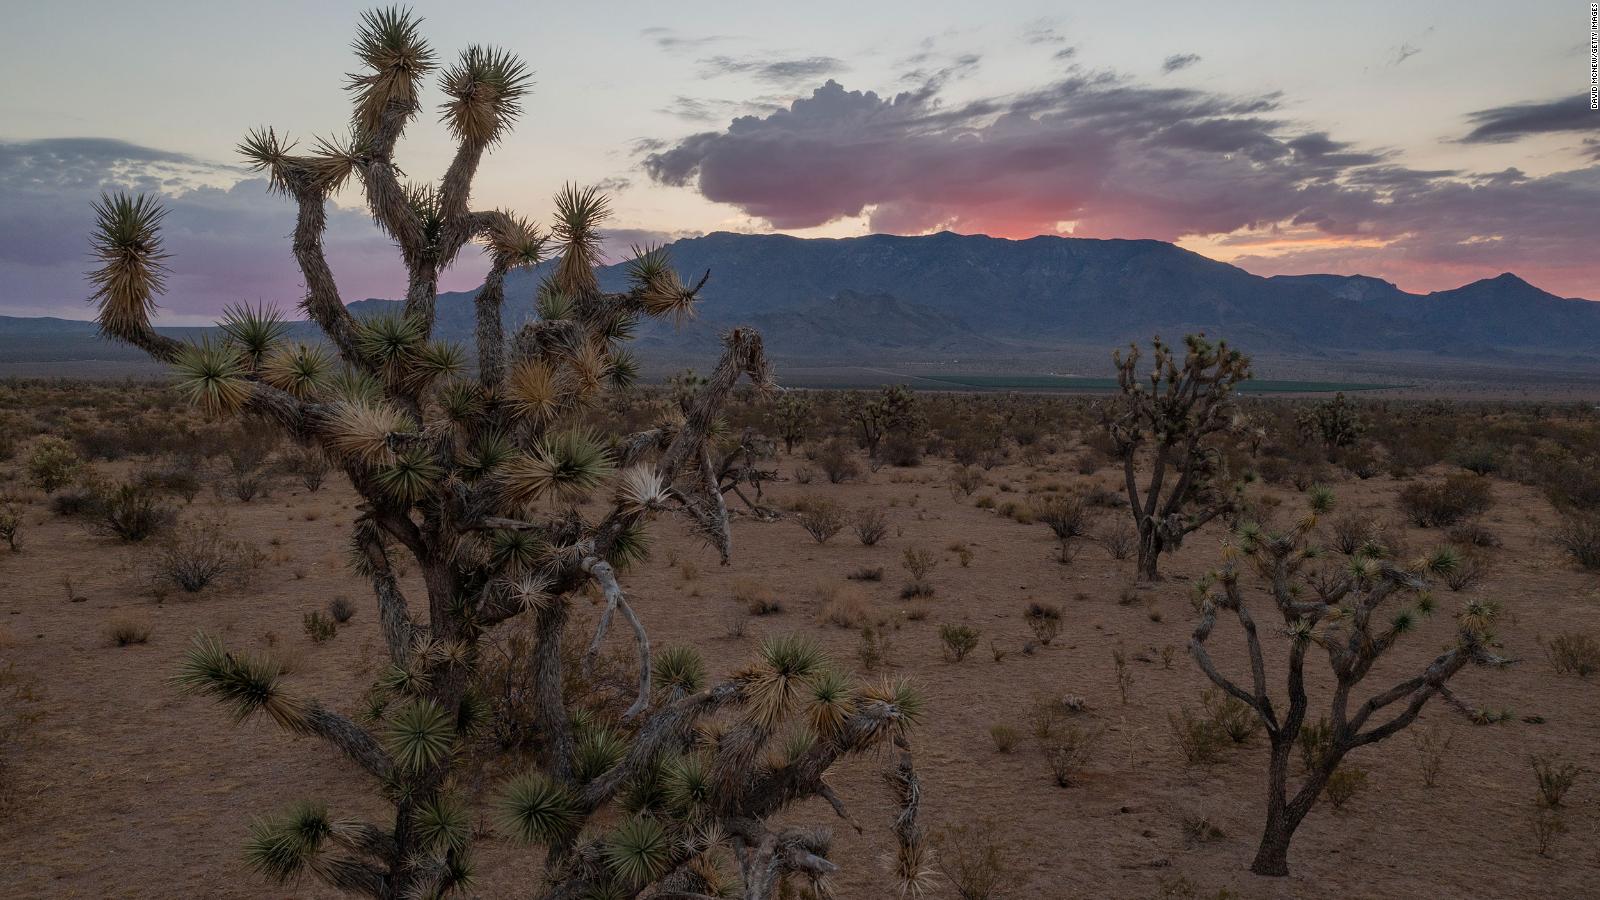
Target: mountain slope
{"x": 942, "y": 295}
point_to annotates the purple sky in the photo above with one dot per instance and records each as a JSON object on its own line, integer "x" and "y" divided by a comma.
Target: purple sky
{"x": 1427, "y": 143}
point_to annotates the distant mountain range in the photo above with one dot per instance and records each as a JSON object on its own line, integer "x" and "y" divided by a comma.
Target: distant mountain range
{"x": 866, "y": 299}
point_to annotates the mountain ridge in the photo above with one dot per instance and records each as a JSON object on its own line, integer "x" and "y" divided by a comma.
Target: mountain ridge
{"x": 944, "y": 294}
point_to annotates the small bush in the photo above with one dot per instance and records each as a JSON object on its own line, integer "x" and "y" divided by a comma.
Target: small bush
{"x": 1230, "y": 714}
{"x": 1442, "y": 503}
{"x": 871, "y": 525}
{"x": 1345, "y": 782}
{"x": 125, "y": 632}
{"x": 756, "y": 597}
{"x": 874, "y": 649}
{"x": 867, "y": 574}
{"x": 1552, "y": 779}
{"x": 972, "y": 857}
{"x": 312, "y": 466}
{"x": 341, "y": 609}
{"x": 838, "y": 462}
{"x": 1044, "y": 619}
{"x": 1070, "y": 753}
{"x": 1574, "y": 653}
{"x": 843, "y": 605}
{"x": 196, "y": 555}
{"x": 1432, "y": 743}
{"x": 132, "y": 514}
{"x": 822, "y": 519}
{"x": 1005, "y": 738}
{"x": 1199, "y": 740}
{"x": 958, "y": 641}
{"x": 11, "y": 526}
{"x": 1119, "y": 538}
{"x": 182, "y": 481}
{"x": 965, "y": 480}
{"x": 86, "y": 502}
{"x": 52, "y": 464}
{"x": 1199, "y": 829}
{"x": 1579, "y": 535}
{"x": 318, "y": 627}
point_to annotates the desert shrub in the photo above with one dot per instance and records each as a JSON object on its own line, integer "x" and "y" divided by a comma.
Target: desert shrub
{"x": 181, "y": 480}
{"x": 81, "y": 502}
{"x": 1005, "y": 738}
{"x": 1200, "y": 740}
{"x": 873, "y": 649}
{"x": 1345, "y": 782}
{"x": 1432, "y": 743}
{"x": 1230, "y": 714}
{"x": 1441, "y": 503}
{"x": 1574, "y": 653}
{"x": 197, "y": 554}
{"x": 1579, "y": 536}
{"x": 972, "y": 857}
{"x": 11, "y": 526}
{"x": 1547, "y": 825}
{"x": 1479, "y": 459}
{"x": 1467, "y": 572}
{"x": 756, "y": 597}
{"x": 837, "y": 461}
{"x": 1315, "y": 742}
{"x": 918, "y": 561}
{"x": 958, "y": 641}
{"x": 132, "y": 514}
{"x": 1472, "y": 534}
{"x": 21, "y": 709}
{"x": 1070, "y": 752}
{"x": 52, "y": 464}
{"x": 1199, "y": 829}
{"x": 1353, "y": 533}
{"x": 318, "y": 627}
{"x": 1552, "y": 779}
{"x": 1067, "y": 517}
{"x": 821, "y": 518}
{"x": 870, "y": 525}
{"x": 965, "y": 480}
{"x": 126, "y": 632}
{"x": 1119, "y": 538}
{"x": 340, "y": 609}
{"x": 312, "y": 467}
{"x": 871, "y": 573}
{"x": 844, "y": 606}
{"x": 1044, "y": 619}
{"x": 902, "y": 450}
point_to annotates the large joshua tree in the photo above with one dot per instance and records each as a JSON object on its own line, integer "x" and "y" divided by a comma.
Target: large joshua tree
{"x": 1356, "y": 611}
{"x": 480, "y": 477}
{"x": 1167, "y": 425}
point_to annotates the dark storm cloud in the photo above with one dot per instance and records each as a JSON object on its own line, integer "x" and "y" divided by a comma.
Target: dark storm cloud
{"x": 1117, "y": 158}
{"x": 1509, "y": 123}
{"x": 1179, "y": 61}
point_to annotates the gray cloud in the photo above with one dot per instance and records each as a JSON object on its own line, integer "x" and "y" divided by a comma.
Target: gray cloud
{"x": 673, "y": 42}
{"x": 1179, "y": 61}
{"x": 1501, "y": 124}
{"x": 775, "y": 71}
{"x": 1116, "y": 158}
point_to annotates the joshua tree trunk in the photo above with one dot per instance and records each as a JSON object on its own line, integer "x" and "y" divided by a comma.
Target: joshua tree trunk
{"x": 1283, "y": 814}
{"x": 1149, "y": 550}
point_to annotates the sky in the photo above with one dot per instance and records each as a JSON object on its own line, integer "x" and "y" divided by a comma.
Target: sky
{"x": 1427, "y": 143}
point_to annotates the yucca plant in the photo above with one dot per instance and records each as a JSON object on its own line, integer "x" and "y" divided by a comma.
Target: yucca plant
{"x": 1356, "y": 610}
{"x": 477, "y": 477}
{"x": 1170, "y": 425}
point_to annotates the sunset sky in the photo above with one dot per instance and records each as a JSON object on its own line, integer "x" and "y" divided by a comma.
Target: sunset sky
{"x": 1428, "y": 143}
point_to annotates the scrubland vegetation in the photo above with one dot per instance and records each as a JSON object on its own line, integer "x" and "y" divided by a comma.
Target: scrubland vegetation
{"x": 529, "y": 628}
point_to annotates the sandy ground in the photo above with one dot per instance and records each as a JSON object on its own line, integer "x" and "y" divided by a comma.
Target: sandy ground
{"x": 131, "y": 789}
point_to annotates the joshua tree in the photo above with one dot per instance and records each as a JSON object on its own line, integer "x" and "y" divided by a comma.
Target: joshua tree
{"x": 1168, "y": 423}
{"x": 478, "y": 477}
{"x": 893, "y": 412}
{"x": 1334, "y": 423}
{"x": 1341, "y": 610}
{"x": 793, "y": 414}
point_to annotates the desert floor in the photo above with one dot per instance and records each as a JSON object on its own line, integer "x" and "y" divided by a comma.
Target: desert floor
{"x": 131, "y": 789}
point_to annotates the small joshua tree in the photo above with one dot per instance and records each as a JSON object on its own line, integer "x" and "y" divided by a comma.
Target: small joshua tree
{"x": 794, "y": 415}
{"x": 1166, "y": 426}
{"x": 1341, "y": 610}
{"x": 478, "y": 477}
{"x": 893, "y": 412}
